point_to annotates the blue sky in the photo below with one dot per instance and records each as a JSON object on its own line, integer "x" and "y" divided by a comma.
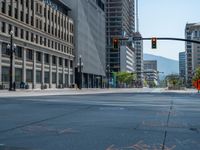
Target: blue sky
{"x": 166, "y": 18}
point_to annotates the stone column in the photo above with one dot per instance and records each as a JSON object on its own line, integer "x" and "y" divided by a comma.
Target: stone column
{"x": 50, "y": 71}
{"x": 13, "y": 68}
{"x": 19, "y": 9}
{"x": 12, "y": 7}
{"x": 0, "y": 62}
{"x": 57, "y": 71}
{"x": 63, "y": 69}
{"x": 42, "y": 69}
{"x": 69, "y": 72}
{"x": 24, "y": 66}
{"x": 34, "y": 69}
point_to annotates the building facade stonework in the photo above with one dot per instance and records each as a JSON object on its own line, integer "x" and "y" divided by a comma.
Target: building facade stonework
{"x": 44, "y": 37}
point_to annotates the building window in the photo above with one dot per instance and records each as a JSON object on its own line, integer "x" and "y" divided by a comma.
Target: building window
{"x": 22, "y": 34}
{"x": 18, "y": 75}
{"x": 60, "y": 78}
{"x": 55, "y": 45}
{"x": 9, "y": 28}
{"x": 49, "y": 43}
{"x": 41, "y": 42}
{"x": 52, "y": 44}
{"x": 60, "y": 61}
{"x": 36, "y": 38}
{"x": 3, "y": 9}
{"x": 46, "y": 58}
{"x": 27, "y": 4}
{"x": 27, "y": 18}
{"x": 16, "y": 13}
{"x": 32, "y": 37}
{"x": 29, "y": 75}
{"x": 38, "y": 76}
{"x": 38, "y": 56}
{"x": 29, "y": 54}
{"x": 46, "y": 77}
{"x": 45, "y": 28}
{"x": 5, "y": 51}
{"x": 5, "y": 74}
{"x": 18, "y": 52}
{"x": 40, "y": 24}
{"x": 71, "y": 64}
{"x": 3, "y": 27}
{"x": 45, "y": 42}
{"x": 32, "y": 21}
{"x": 59, "y": 46}
{"x": 53, "y": 77}
{"x": 16, "y": 32}
{"x": 9, "y": 10}
{"x": 22, "y": 16}
{"x": 27, "y": 35}
{"x": 66, "y": 63}
{"x": 54, "y": 60}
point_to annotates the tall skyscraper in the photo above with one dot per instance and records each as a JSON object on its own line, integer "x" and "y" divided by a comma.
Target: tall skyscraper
{"x": 89, "y": 17}
{"x": 182, "y": 64}
{"x": 120, "y": 22}
{"x": 192, "y": 31}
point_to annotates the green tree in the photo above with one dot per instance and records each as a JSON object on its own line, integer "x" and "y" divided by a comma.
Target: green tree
{"x": 196, "y": 75}
{"x": 125, "y": 77}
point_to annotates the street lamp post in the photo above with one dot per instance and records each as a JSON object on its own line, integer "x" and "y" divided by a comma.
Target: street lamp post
{"x": 108, "y": 75}
{"x": 80, "y": 65}
{"x": 11, "y": 47}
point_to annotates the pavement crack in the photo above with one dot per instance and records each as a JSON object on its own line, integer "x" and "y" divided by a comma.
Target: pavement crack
{"x": 165, "y": 133}
{"x": 43, "y": 120}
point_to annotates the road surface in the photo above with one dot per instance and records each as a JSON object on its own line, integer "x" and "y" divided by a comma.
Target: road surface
{"x": 142, "y": 121}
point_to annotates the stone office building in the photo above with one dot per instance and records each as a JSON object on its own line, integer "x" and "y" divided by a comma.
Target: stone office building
{"x": 43, "y": 34}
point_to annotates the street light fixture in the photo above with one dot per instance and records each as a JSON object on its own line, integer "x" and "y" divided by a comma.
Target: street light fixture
{"x": 11, "y": 47}
{"x": 80, "y": 65}
{"x": 108, "y": 75}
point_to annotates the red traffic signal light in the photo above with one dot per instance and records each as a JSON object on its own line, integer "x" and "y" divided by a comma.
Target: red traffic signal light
{"x": 154, "y": 43}
{"x": 116, "y": 43}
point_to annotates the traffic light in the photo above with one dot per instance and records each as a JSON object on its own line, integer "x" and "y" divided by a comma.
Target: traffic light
{"x": 154, "y": 43}
{"x": 116, "y": 43}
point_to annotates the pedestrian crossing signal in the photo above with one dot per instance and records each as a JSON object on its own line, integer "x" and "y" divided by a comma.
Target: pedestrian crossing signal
{"x": 154, "y": 43}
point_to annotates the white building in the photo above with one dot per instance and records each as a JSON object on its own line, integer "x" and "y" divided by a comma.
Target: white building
{"x": 127, "y": 59}
{"x": 43, "y": 33}
{"x": 192, "y": 50}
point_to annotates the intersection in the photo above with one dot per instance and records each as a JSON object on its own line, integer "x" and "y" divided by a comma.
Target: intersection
{"x": 152, "y": 121}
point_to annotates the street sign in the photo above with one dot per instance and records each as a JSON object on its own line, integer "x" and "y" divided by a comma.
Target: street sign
{"x": 137, "y": 38}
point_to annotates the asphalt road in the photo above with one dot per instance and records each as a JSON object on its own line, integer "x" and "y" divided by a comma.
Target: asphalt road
{"x": 101, "y": 122}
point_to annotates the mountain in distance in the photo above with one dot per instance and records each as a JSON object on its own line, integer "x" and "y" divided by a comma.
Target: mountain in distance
{"x": 166, "y": 65}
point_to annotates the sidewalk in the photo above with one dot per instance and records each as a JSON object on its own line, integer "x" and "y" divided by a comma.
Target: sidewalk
{"x": 67, "y": 91}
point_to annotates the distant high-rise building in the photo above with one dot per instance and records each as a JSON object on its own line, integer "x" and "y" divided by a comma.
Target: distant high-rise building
{"x": 138, "y": 46}
{"x": 90, "y": 39}
{"x": 150, "y": 71}
{"x": 182, "y": 64}
{"x": 120, "y": 22}
{"x": 192, "y": 31}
